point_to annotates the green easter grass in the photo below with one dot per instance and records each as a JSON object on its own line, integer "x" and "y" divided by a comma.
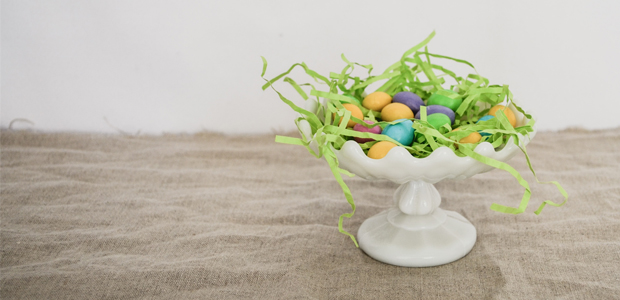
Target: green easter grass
{"x": 416, "y": 73}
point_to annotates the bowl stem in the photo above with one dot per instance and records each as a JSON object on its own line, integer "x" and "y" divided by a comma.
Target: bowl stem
{"x": 415, "y": 232}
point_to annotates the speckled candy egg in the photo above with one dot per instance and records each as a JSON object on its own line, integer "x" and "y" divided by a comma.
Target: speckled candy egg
{"x": 355, "y": 112}
{"x": 507, "y": 111}
{"x": 395, "y": 111}
{"x": 402, "y": 132}
{"x": 362, "y": 128}
{"x": 380, "y": 149}
{"x": 485, "y": 118}
{"x": 377, "y": 101}
{"x": 439, "y": 99}
{"x": 438, "y": 120}
{"x": 472, "y": 138}
{"x": 410, "y": 99}
{"x": 434, "y": 109}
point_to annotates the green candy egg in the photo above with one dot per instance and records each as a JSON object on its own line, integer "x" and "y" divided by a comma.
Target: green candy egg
{"x": 439, "y": 99}
{"x": 437, "y": 120}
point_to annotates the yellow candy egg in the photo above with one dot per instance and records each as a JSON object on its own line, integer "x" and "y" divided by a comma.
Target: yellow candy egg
{"x": 472, "y": 138}
{"x": 380, "y": 149}
{"x": 507, "y": 111}
{"x": 396, "y": 111}
{"x": 377, "y": 101}
{"x": 355, "y": 112}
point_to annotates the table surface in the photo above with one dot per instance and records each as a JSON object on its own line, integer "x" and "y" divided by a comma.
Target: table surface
{"x": 87, "y": 216}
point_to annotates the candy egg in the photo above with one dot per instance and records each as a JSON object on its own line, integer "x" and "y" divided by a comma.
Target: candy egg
{"x": 410, "y": 99}
{"x": 401, "y": 132}
{"x": 355, "y": 112}
{"x": 507, "y": 111}
{"x": 380, "y": 149}
{"x": 438, "y": 120}
{"x": 439, "y": 99}
{"x": 434, "y": 109}
{"x": 472, "y": 138}
{"x": 377, "y": 101}
{"x": 395, "y": 111}
{"x": 485, "y": 118}
{"x": 362, "y": 128}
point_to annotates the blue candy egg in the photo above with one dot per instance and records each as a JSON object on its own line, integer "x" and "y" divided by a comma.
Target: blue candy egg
{"x": 484, "y": 118}
{"x": 401, "y": 132}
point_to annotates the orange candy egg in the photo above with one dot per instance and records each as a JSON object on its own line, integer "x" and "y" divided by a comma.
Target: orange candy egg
{"x": 396, "y": 111}
{"x": 377, "y": 101}
{"x": 355, "y": 112}
{"x": 507, "y": 111}
{"x": 380, "y": 149}
{"x": 472, "y": 138}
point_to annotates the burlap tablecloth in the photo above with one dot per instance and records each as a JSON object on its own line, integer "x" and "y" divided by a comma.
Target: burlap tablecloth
{"x": 207, "y": 216}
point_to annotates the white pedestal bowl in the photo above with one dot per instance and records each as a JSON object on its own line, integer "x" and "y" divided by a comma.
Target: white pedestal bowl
{"x": 415, "y": 232}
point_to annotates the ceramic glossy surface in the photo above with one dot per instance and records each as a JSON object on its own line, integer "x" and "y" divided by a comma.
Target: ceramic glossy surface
{"x": 415, "y": 232}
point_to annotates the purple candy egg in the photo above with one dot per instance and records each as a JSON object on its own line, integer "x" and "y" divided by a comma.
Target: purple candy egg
{"x": 410, "y": 99}
{"x": 434, "y": 109}
{"x": 361, "y": 128}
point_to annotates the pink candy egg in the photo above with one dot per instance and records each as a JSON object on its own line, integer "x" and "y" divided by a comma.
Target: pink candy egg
{"x": 361, "y": 128}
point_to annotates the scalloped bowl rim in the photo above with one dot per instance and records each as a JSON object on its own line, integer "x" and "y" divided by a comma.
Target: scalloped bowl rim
{"x": 400, "y": 166}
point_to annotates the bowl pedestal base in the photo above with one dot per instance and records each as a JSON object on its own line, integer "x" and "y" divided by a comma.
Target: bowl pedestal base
{"x": 416, "y": 232}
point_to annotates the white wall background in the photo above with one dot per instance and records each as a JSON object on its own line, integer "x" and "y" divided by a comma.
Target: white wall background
{"x": 184, "y": 66}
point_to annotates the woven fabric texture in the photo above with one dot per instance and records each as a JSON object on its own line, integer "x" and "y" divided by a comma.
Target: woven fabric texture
{"x": 209, "y": 216}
